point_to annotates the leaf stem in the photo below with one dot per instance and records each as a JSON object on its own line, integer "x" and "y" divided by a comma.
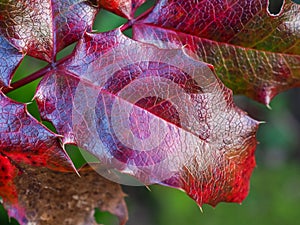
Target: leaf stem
{"x": 133, "y": 21}
{"x": 27, "y": 80}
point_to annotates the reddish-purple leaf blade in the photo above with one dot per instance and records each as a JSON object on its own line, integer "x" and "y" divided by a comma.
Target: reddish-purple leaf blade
{"x": 54, "y": 99}
{"x": 40, "y": 194}
{"x": 234, "y": 30}
{"x": 155, "y": 114}
{"x": 42, "y": 28}
{"x": 258, "y": 74}
{"x": 125, "y": 8}
{"x": 10, "y": 58}
{"x": 56, "y": 105}
{"x": 244, "y": 23}
{"x": 25, "y": 140}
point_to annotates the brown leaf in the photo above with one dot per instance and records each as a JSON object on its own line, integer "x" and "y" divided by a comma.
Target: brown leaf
{"x": 51, "y": 198}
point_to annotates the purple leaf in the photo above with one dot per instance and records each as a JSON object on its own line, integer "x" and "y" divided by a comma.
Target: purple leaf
{"x": 157, "y": 115}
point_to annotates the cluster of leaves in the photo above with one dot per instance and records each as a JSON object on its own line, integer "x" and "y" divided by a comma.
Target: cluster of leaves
{"x": 168, "y": 82}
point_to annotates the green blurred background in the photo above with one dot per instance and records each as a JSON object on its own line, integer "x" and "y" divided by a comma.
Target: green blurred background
{"x": 275, "y": 184}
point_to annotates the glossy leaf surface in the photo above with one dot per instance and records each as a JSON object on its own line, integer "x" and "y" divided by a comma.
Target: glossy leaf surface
{"x": 25, "y": 140}
{"x": 42, "y": 28}
{"x": 147, "y": 114}
{"x": 254, "y": 53}
{"x": 157, "y": 115}
{"x": 57, "y": 110}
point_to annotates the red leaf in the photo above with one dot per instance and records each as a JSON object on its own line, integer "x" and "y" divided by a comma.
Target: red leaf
{"x": 54, "y": 99}
{"x": 42, "y": 28}
{"x": 25, "y": 140}
{"x": 254, "y": 53}
{"x": 125, "y": 8}
{"x": 155, "y": 114}
{"x": 9, "y": 60}
{"x": 7, "y": 173}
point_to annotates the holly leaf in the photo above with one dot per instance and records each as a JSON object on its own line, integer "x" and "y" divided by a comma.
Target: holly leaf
{"x": 25, "y": 140}
{"x": 42, "y": 28}
{"x": 58, "y": 111}
{"x": 40, "y": 192}
{"x": 154, "y": 114}
{"x": 125, "y": 8}
{"x": 254, "y": 53}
